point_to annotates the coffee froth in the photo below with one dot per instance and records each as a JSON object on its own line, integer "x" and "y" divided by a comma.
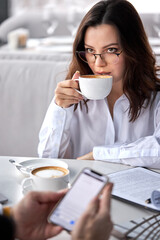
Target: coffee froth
{"x": 96, "y": 76}
{"x": 50, "y": 172}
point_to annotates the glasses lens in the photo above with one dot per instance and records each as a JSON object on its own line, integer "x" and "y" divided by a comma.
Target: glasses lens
{"x": 111, "y": 58}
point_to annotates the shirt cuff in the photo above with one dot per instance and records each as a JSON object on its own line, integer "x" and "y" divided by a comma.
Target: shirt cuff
{"x": 105, "y": 153}
{"x": 147, "y": 157}
{"x": 110, "y": 154}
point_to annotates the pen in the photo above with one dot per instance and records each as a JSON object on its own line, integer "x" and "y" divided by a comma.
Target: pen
{"x": 148, "y": 201}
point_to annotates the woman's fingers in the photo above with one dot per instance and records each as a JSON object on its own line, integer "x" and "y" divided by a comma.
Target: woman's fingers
{"x": 68, "y": 84}
{"x": 66, "y": 103}
{"x": 66, "y": 95}
{"x": 66, "y": 100}
{"x": 66, "y": 90}
{"x": 106, "y": 198}
{"x": 76, "y": 75}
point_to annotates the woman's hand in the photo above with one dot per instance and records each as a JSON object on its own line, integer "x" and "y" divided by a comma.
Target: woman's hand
{"x": 88, "y": 156}
{"x": 95, "y": 223}
{"x": 65, "y": 93}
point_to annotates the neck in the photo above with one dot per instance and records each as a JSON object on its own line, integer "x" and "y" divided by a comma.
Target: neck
{"x": 115, "y": 93}
{"x": 117, "y": 90}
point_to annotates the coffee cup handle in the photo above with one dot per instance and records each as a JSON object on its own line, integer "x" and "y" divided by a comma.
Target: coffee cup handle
{"x": 67, "y": 181}
{"x": 68, "y": 184}
{"x": 26, "y": 183}
{"x": 77, "y": 89}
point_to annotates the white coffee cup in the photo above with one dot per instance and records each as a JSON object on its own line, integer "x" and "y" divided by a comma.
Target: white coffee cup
{"x": 18, "y": 38}
{"x": 95, "y": 87}
{"x": 47, "y": 178}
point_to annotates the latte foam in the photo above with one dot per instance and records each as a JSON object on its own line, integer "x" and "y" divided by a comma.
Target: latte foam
{"x": 50, "y": 172}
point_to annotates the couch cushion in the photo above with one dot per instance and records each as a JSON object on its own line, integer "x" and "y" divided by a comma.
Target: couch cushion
{"x": 26, "y": 89}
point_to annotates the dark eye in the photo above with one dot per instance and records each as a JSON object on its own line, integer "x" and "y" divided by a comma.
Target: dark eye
{"x": 89, "y": 50}
{"x": 111, "y": 50}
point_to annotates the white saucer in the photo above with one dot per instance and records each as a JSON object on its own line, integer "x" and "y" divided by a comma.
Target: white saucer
{"x": 40, "y": 162}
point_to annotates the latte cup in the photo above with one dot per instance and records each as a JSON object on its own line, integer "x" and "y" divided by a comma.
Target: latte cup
{"x": 47, "y": 178}
{"x": 95, "y": 87}
{"x": 18, "y": 38}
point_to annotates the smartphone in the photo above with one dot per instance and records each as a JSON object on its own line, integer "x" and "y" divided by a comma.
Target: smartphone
{"x": 87, "y": 185}
{"x": 3, "y": 199}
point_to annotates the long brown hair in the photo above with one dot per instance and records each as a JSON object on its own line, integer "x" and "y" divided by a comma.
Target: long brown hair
{"x": 140, "y": 82}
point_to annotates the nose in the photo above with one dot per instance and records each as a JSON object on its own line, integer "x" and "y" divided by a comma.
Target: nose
{"x": 99, "y": 62}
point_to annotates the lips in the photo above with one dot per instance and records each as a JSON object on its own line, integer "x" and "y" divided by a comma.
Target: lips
{"x": 103, "y": 73}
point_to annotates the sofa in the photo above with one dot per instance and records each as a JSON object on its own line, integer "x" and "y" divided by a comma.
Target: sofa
{"x": 26, "y": 90}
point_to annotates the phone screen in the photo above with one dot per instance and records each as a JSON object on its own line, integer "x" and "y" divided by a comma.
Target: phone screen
{"x": 88, "y": 184}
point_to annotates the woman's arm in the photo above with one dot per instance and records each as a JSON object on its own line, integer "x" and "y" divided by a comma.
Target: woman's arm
{"x": 145, "y": 151}
{"x": 54, "y": 136}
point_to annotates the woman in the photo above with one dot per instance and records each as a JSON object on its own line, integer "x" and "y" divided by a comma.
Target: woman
{"x": 110, "y": 40}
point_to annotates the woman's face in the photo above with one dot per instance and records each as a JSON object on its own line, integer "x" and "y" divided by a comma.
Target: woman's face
{"x": 100, "y": 39}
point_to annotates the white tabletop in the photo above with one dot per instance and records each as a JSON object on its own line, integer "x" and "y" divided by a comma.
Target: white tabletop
{"x": 11, "y": 178}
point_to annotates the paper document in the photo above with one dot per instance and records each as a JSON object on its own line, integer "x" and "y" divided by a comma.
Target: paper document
{"x": 136, "y": 185}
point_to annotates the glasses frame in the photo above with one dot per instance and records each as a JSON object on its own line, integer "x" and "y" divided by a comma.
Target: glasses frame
{"x": 96, "y": 54}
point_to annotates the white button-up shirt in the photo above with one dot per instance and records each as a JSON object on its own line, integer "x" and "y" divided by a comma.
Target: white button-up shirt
{"x": 66, "y": 133}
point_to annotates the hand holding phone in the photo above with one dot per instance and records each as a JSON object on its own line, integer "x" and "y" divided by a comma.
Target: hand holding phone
{"x": 95, "y": 223}
{"x": 87, "y": 185}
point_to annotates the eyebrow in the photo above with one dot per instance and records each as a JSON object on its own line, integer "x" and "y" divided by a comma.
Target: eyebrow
{"x": 111, "y": 44}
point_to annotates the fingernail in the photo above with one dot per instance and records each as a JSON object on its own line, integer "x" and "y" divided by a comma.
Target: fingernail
{"x": 77, "y": 71}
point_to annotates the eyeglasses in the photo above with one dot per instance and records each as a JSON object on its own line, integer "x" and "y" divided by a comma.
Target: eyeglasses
{"x": 109, "y": 58}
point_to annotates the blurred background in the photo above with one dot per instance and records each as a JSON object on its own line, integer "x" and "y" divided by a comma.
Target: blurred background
{"x": 61, "y": 17}
{"x": 36, "y": 38}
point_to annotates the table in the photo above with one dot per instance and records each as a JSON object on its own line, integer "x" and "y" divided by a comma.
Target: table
{"x": 11, "y": 178}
